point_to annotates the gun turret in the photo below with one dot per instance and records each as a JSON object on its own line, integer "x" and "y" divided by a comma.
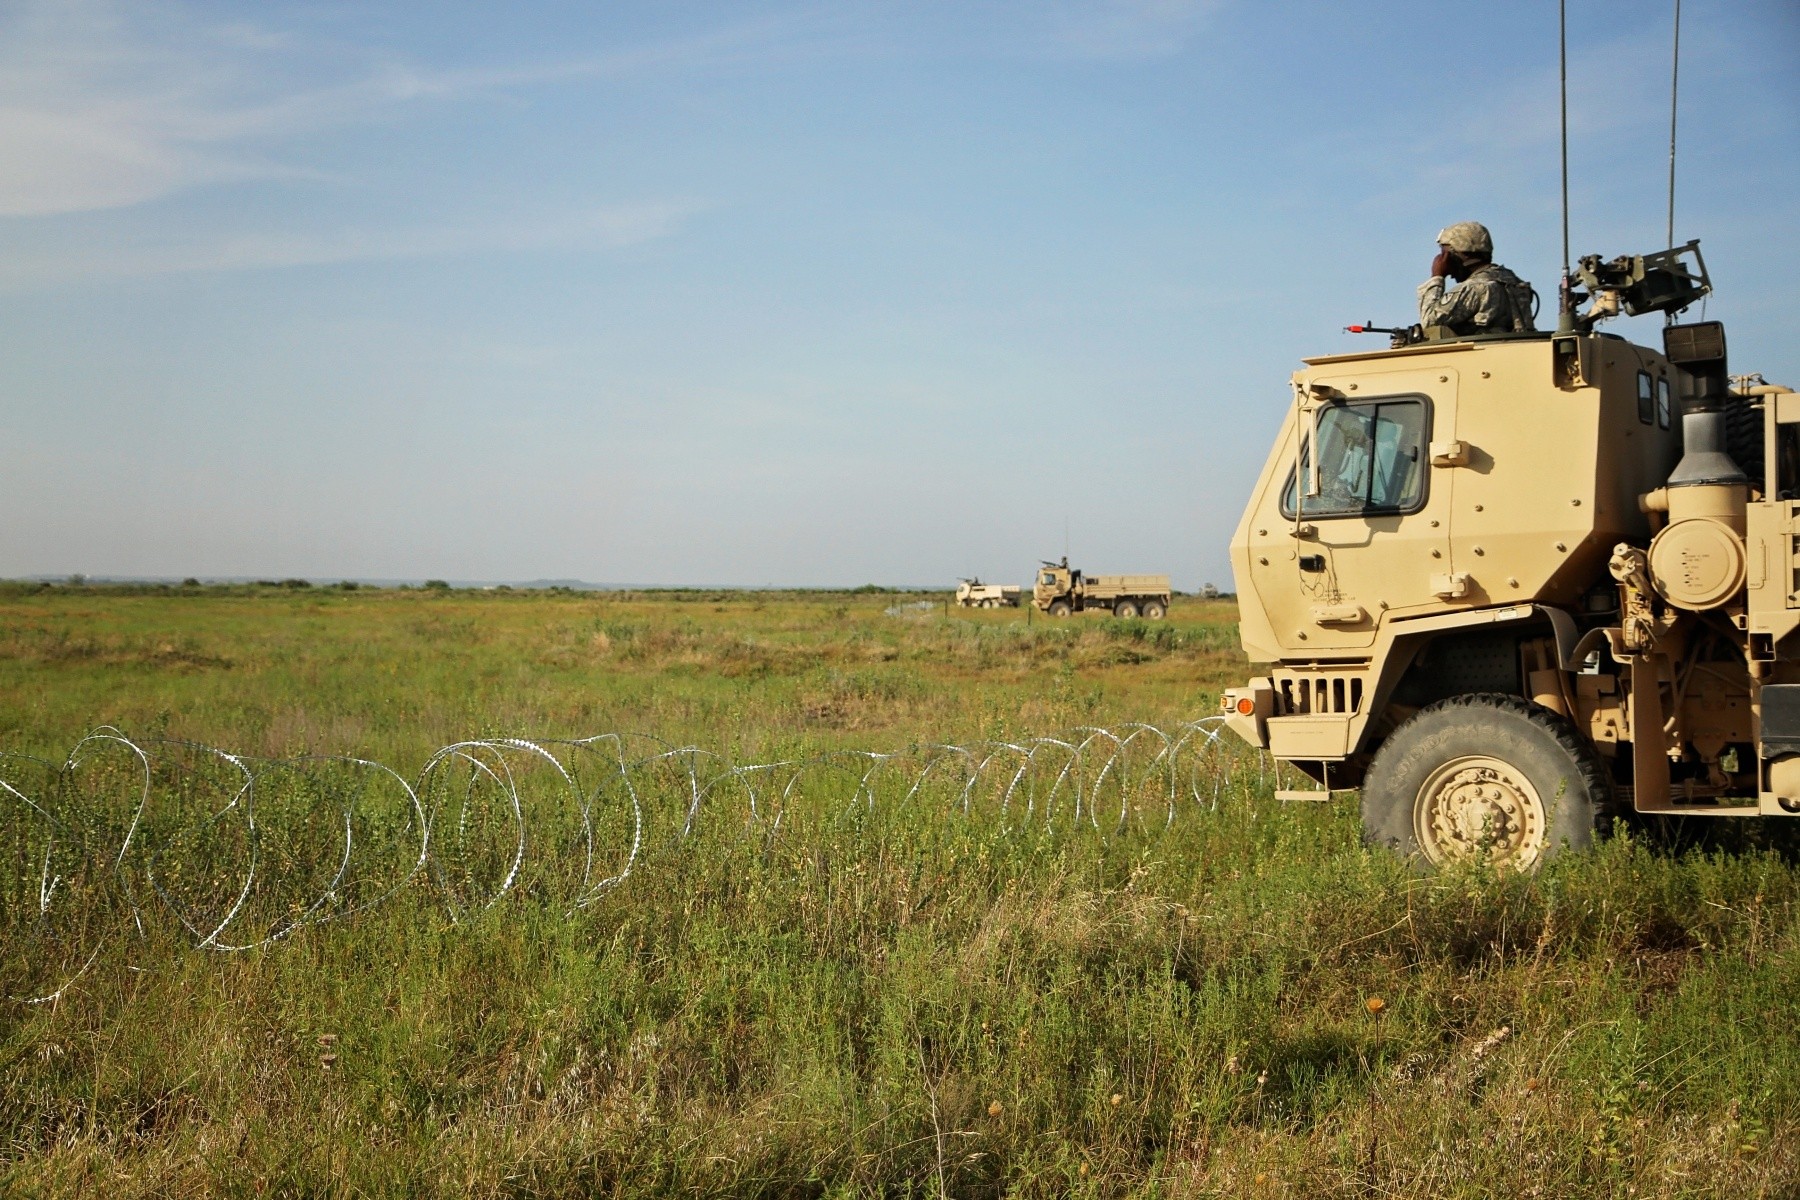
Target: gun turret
{"x": 1640, "y": 283}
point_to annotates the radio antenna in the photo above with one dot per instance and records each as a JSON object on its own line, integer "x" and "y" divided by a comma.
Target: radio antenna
{"x": 1674, "y": 93}
{"x": 1565, "y": 321}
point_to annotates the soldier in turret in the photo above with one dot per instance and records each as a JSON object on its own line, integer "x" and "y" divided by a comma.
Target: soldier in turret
{"x": 1488, "y": 299}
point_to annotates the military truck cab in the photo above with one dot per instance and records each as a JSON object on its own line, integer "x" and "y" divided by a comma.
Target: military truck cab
{"x": 1504, "y": 584}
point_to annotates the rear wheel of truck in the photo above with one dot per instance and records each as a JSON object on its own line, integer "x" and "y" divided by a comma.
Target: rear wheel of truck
{"x": 1060, "y": 608}
{"x": 1154, "y": 610}
{"x": 1125, "y": 608}
{"x": 1485, "y": 776}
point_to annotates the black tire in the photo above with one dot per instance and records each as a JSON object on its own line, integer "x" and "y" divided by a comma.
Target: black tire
{"x": 1060, "y": 608}
{"x": 1485, "y": 774}
{"x": 1155, "y": 610}
{"x": 1744, "y": 437}
{"x": 1125, "y": 608}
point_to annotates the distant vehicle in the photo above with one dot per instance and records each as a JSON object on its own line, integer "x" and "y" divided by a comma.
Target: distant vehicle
{"x": 972, "y": 593}
{"x": 1210, "y": 592}
{"x": 1061, "y": 590}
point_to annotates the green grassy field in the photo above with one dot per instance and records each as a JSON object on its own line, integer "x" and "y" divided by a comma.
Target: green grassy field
{"x": 894, "y": 998}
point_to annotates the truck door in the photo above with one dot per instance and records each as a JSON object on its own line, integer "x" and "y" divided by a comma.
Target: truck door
{"x": 1371, "y": 540}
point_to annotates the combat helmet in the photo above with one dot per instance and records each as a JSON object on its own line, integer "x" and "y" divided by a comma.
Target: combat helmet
{"x": 1467, "y": 237}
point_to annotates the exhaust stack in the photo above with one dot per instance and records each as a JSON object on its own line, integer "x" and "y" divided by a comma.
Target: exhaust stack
{"x": 1697, "y": 561}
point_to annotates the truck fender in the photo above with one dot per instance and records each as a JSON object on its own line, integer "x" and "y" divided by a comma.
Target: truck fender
{"x": 1410, "y": 636}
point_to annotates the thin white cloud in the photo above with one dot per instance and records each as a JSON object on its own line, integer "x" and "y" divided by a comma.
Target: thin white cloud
{"x": 97, "y": 112}
{"x": 606, "y": 228}
{"x": 27, "y": 267}
{"x": 106, "y": 105}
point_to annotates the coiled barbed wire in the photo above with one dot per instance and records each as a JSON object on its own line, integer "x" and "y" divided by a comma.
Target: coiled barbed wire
{"x": 242, "y": 852}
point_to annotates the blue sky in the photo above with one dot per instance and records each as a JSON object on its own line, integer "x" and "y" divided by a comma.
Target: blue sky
{"x": 755, "y": 293}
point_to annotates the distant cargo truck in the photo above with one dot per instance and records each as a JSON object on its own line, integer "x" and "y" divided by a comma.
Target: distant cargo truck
{"x": 972, "y": 593}
{"x": 1061, "y": 590}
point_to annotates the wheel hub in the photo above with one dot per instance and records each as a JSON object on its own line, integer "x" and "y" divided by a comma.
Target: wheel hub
{"x": 1478, "y": 806}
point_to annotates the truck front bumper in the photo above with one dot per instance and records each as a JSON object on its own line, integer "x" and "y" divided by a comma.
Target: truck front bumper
{"x": 1247, "y": 711}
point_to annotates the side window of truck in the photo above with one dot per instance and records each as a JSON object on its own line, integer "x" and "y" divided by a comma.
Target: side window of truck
{"x": 1372, "y": 460}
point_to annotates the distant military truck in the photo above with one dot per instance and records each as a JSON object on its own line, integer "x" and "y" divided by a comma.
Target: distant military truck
{"x": 1061, "y": 590}
{"x": 972, "y": 593}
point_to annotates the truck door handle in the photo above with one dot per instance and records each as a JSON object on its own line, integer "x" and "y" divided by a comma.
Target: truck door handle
{"x": 1450, "y": 454}
{"x": 1312, "y": 562}
{"x": 1450, "y": 586}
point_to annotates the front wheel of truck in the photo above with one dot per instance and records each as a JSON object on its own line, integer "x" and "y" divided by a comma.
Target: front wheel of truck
{"x": 1486, "y": 776}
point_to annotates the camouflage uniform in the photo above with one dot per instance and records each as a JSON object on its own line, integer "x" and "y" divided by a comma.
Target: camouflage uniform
{"x": 1491, "y": 300}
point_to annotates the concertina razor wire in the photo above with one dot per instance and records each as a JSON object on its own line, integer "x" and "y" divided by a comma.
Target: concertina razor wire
{"x": 237, "y": 853}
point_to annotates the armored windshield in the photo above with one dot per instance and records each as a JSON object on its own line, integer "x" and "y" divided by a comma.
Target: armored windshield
{"x": 1371, "y": 460}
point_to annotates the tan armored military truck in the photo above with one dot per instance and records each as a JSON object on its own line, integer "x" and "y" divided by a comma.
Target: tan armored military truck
{"x": 972, "y": 593}
{"x": 1061, "y": 590}
{"x": 1510, "y": 584}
